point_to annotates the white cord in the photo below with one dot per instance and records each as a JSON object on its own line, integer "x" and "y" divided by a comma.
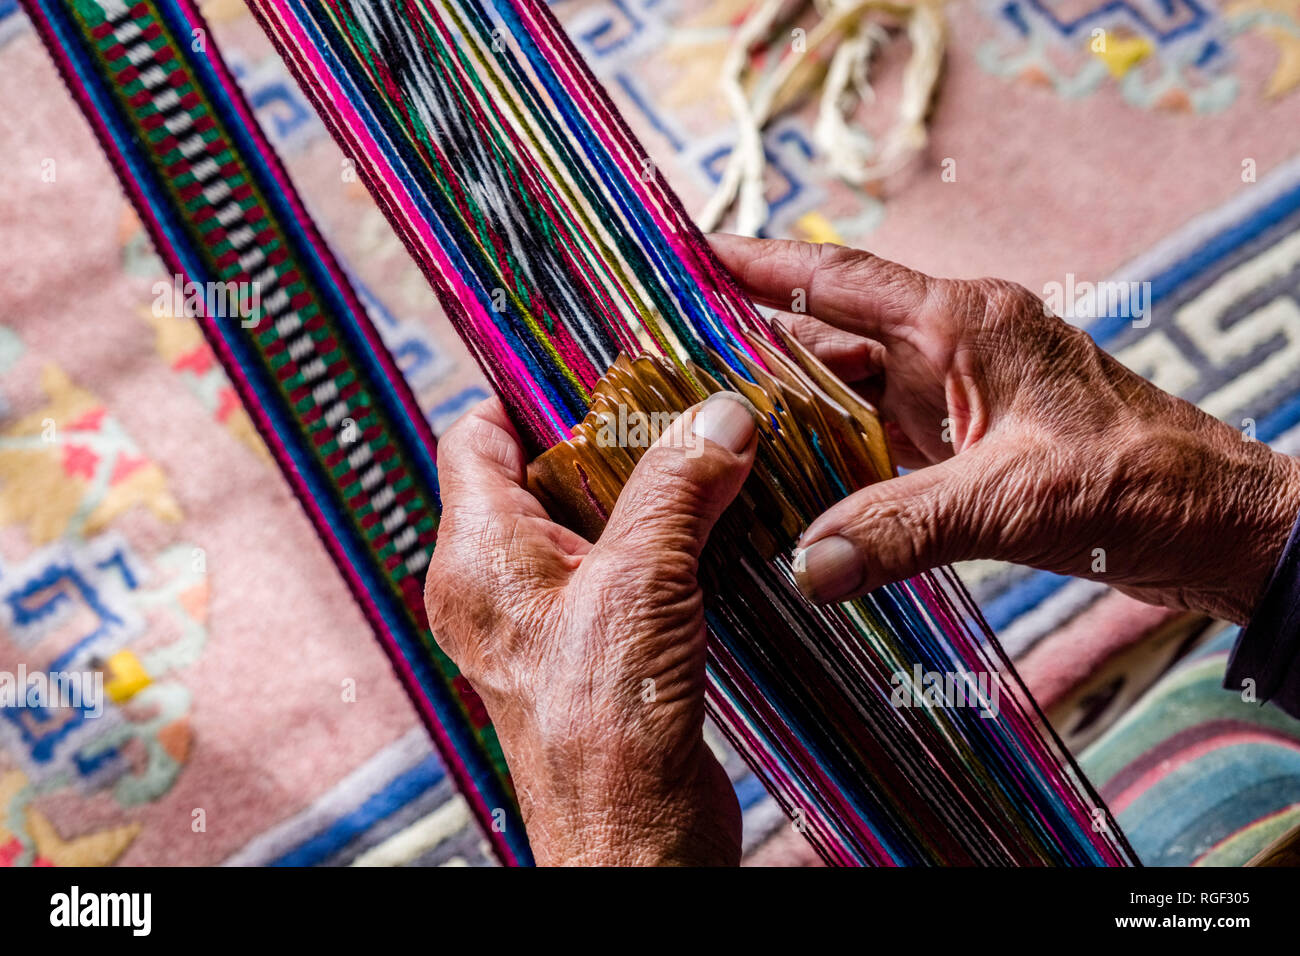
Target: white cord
{"x": 851, "y": 153}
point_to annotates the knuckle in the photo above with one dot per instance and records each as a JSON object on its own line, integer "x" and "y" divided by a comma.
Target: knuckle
{"x": 905, "y": 548}
{"x": 999, "y": 302}
{"x": 460, "y": 433}
{"x": 1018, "y": 317}
{"x": 832, "y": 257}
{"x": 1018, "y": 342}
{"x": 891, "y": 284}
{"x": 677, "y": 483}
{"x": 662, "y": 553}
{"x": 471, "y": 436}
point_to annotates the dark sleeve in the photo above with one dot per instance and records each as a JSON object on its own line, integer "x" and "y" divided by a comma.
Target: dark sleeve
{"x": 1268, "y": 649}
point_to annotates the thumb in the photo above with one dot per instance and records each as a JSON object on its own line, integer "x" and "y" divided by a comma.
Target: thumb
{"x": 890, "y": 531}
{"x": 681, "y": 486}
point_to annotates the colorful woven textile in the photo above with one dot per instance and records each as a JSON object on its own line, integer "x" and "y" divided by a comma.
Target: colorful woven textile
{"x": 310, "y": 367}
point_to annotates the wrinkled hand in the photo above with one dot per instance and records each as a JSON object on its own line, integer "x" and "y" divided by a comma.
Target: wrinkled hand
{"x": 590, "y": 658}
{"x": 1031, "y": 444}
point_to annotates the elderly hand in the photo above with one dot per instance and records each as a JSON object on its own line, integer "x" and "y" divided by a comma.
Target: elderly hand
{"x": 1031, "y": 444}
{"x": 590, "y": 658}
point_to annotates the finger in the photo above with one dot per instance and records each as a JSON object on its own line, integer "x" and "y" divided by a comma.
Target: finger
{"x": 850, "y": 289}
{"x": 681, "y": 486}
{"x": 485, "y": 505}
{"x": 480, "y": 455}
{"x": 498, "y": 557}
{"x": 851, "y": 357}
{"x": 890, "y": 531}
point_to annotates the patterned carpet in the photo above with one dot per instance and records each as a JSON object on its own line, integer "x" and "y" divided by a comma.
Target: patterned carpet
{"x": 267, "y": 727}
{"x": 1195, "y": 776}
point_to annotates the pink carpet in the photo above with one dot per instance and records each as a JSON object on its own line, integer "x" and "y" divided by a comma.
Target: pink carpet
{"x": 270, "y": 727}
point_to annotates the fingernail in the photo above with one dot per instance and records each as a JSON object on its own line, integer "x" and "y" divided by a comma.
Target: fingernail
{"x": 726, "y": 418}
{"x": 828, "y": 570}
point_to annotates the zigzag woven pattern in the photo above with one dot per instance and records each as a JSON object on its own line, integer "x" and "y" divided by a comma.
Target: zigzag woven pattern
{"x": 548, "y": 246}
{"x": 324, "y": 392}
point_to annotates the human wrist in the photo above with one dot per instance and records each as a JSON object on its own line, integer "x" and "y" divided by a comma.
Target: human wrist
{"x": 1239, "y": 507}
{"x": 613, "y": 837}
{"x": 634, "y": 818}
{"x": 1186, "y": 511}
{"x": 1260, "y": 542}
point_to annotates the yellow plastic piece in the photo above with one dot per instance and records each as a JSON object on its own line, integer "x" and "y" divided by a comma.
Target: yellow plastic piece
{"x": 127, "y": 676}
